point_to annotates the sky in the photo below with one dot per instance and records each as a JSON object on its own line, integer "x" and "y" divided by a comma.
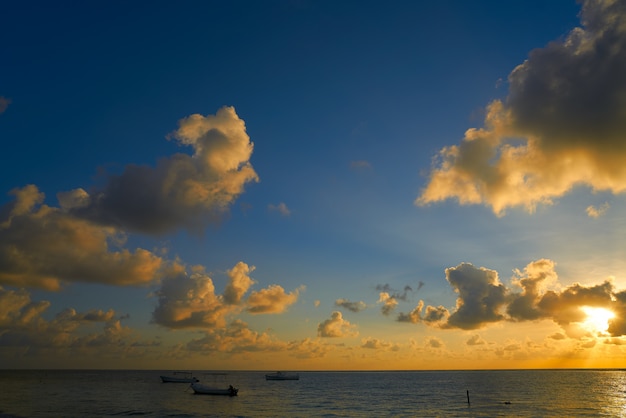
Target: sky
{"x": 313, "y": 185}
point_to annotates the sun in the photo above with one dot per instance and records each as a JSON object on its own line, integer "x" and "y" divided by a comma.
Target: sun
{"x": 597, "y": 320}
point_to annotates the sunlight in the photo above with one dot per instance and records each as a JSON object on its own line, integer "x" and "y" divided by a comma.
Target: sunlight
{"x": 597, "y": 320}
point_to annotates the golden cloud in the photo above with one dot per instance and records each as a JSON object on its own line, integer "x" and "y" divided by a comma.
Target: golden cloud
{"x": 562, "y": 124}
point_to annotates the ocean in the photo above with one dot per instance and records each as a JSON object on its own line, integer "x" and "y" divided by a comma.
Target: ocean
{"x": 503, "y": 393}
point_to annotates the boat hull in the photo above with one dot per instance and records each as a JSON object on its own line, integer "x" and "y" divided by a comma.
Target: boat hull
{"x": 207, "y": 390}
{"x": 282, "y": 376}
{"x": 170, "y": 379}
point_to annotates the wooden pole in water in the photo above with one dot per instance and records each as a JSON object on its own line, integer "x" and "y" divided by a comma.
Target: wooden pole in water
{"x": 468, "y": 401}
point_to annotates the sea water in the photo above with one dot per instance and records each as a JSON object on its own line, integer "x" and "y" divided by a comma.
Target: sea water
{"x": 506, "y": 393}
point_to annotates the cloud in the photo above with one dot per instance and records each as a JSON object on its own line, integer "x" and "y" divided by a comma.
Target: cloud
{"x": 272, "y": 300}
{"x": 83, "y": 239}
{"x": 188, "y": 191}
{"x": 414, "y": 316}
{"x": 534, "y": 281}
{"x": 434, "y": 342}
{"x": 561, "y": 125}
{"x": 237, "y": 337}
{"x": 336, "y": 326}
{"x": 389, "y": 303}
{"x": 596, "y": 212}
{"x": 475, "y": 340}
{"x": 238, "y": 284}
{"x": 43, "y": 246}
{"x": 434, "y": 316}
{"x": 351, "y": 306}
{"x": 395, "y": 294}
{"x": 4, "y": 104}
{"x": 483, "y": 300}
{"x": 25, "y": 332}
{"x": 190, "y": 301}
{"x": 280, "y": 208}
{"x": 380, "y": 345}
{"x": 481, "y": 296}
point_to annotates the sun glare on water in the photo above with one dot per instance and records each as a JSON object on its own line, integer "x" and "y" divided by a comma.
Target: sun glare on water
{"x": 597, "y": 319}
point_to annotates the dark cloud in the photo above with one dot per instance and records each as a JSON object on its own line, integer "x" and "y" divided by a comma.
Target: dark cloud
{"x": 562, "y": 124}
{"x": 351, "y": 306}
{"x": 571, "y": 94}
{"x": 435, "y": 316}
{"x": 188, "y": 191}
{"x": 523, "y": 306}
{"x": 395, "y": 294}
{"x": 42, "y": 246}
{"x": 482, "y": 300}
{"x": 481, "y": 296}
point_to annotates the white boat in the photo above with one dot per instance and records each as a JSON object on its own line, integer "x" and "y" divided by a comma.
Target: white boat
{"x": 201, "y": 389}
{"x": 179, "y": 377}
{"x": 282, "y": 376}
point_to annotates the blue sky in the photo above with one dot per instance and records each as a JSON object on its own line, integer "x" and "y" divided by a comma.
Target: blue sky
{"x": 253, "y": 184}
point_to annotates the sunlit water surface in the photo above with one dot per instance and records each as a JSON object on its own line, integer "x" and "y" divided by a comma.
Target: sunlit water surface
{"x": 534, "y": 393}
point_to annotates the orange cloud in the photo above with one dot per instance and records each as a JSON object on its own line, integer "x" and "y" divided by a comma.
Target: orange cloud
{"x": 389, "y": 303}
{"x": 561, "y": 125}
{"x": 42, "y": 246}
{"x": 190, "y": 301}
{"x": 483, "y": 300}
{"x": 336, "y": 326}
{"x": 380, "y": 345}
{"x": 25, "y": 332}
{"x": 273, "y": 299}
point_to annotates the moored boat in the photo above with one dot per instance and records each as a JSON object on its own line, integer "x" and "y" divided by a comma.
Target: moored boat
{"x": 201, "y": 389}
{"x": 179, "y": 377}
{"x": 282, "y": 376}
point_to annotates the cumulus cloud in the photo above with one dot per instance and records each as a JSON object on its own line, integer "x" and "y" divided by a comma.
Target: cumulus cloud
{"x": 238, "y": 284}
{"x": 434, "y": 316}
{"x": 481, "y": 296}
{"x": 25, "y": 332}
{"x": 190, "y": 300}
{"x": 414, "y": 316}
{"x": 83, "y": 239}
{"x": 280, "y": 208}
{"x": 535, "y": 294}
{"x": 351, "y": 306}
{"x": 43, "y": 246}
{"x": 534, "y": 281}
{"x": 4, "y": 104}
{"x": 561, "y": 125}
{"x": 336, "y": 326}
{"x": 273, "y": 300}
{"x": 188, "y": 191}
